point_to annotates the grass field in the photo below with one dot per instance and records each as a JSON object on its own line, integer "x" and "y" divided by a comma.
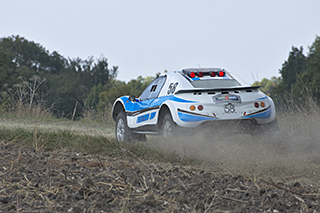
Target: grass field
{"x": 77, "y": 166}
{"x": 294, "y": 150}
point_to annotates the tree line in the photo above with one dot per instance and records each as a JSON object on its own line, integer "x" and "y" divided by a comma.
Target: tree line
{"x": 31, "y": 75}
{"x": 299, "y": 80}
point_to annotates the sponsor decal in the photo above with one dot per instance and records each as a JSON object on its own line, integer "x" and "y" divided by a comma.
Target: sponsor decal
{"x": 226, "y": 98}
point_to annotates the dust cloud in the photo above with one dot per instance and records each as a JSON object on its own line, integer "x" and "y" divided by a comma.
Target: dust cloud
{"x": 292, "y": 151}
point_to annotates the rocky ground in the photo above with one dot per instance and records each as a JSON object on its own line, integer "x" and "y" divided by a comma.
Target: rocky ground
{"x": 65, "y": 181}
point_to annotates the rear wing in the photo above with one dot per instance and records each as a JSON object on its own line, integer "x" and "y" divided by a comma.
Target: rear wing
{"x": 247, "y": 89}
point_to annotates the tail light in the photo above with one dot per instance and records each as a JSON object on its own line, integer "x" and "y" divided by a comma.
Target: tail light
{"x": 193, "y": 107}
{"x": 257, "y": 105}
{"x": 192, "y": 74}
{"x": 221, "y": 73}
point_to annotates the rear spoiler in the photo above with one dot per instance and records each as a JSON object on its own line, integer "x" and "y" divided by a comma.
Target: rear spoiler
{"x": 248, "y": 89}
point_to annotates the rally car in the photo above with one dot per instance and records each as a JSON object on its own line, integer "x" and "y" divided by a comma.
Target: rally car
{"x": 189, "y": 99}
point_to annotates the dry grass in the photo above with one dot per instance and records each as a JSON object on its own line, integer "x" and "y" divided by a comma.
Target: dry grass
{"x": 24, "y": 112}
{"x": 239, "y": 171}
{"x": 293, "y": 153}
{"x": 98, "y": 116}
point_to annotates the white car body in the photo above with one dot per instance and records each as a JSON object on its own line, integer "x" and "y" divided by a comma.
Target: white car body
{"x": 193, "y": 101}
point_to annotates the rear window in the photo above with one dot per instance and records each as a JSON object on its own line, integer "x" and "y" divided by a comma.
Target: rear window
{"x": 215, "y": 83}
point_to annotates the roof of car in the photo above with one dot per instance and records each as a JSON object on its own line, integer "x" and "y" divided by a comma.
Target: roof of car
{"x": 201, "y": 69}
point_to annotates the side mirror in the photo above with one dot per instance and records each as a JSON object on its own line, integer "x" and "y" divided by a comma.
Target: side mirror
{"x": 132, "y": 98}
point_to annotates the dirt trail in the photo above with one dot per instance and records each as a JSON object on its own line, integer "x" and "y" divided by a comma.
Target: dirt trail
{"x": 64, "y": 181}
{"x": 238, "y": 173}
{"x": 64, "y": 125}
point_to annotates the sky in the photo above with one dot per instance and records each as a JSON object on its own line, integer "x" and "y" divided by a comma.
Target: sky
{"x": 250, "y": 38}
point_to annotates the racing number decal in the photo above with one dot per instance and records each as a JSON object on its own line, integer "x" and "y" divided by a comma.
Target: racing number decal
{"x": 229, "y": 108}
{"x": 172, "y": 88}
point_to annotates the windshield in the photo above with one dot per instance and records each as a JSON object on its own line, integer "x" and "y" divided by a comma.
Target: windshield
{"x": 215, "y": 83}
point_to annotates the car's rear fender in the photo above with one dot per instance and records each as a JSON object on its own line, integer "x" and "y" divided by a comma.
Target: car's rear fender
{"x": 164, "y": 109}
{"x": 172, "y": 108}
{"x": 272, "y": 112}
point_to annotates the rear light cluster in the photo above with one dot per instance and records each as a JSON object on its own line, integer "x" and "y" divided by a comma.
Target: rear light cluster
{"x": 193, "y": 107}
{"x": 261, "y": 104}
{"x": 211, "y": 73}
{"x": 200, "y": 107}
{"x": 257, "y": 105}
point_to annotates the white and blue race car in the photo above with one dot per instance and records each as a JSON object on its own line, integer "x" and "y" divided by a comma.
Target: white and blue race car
{"x": 192, "y": 98}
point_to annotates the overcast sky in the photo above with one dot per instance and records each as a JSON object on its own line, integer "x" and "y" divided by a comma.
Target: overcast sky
{"x": 251, "y": 38}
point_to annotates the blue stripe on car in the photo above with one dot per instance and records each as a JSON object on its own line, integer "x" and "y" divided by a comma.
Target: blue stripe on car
{"x": 263, "y": 115}
{"x": 143, "y": 118}
{"x": 265, "y": 97}
{"x": 152, "y": 115}
{"x": 146, "y": 104}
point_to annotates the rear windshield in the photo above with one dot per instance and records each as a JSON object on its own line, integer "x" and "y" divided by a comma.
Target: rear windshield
{"x": 215, "y": 83}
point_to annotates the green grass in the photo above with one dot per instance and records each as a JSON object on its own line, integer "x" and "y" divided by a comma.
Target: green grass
{"x": 296, "y": 154}
{"x": 40, "y": 130}
{"x": 83, "y": 143}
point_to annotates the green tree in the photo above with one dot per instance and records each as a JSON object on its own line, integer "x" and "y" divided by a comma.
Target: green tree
{"x": 116, "y": 89}
{"x": 308, "y": 83}
{"x": 113, "y": 91}
{"x": 273, "y": 88}
{"x": 267, "y": 86}
{"x": 293, "y": 67}
{"x": 101, "y": 74}
{"x": 68, "y": 81}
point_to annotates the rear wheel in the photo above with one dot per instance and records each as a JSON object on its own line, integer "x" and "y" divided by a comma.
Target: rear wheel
{"x": 169, "y": 127}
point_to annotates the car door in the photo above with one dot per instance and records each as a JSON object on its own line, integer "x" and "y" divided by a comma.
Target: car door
{"x": 143, "y": 110}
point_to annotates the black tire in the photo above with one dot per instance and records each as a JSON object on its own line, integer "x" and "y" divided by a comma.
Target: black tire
{"x": 122, "y": 131}
{"x": 168, "y": 127}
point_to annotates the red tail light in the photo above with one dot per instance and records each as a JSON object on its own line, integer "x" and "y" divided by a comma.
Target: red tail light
{"x": 200, "y": 74}
{"x": 212, "y": 74}
{"x": 221, "y": 73}
{"x": 192, "y": 74}
{"x": 256, "y": 104}
{"x": 200, "y": 107}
